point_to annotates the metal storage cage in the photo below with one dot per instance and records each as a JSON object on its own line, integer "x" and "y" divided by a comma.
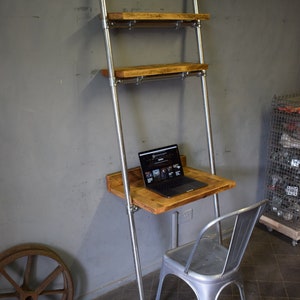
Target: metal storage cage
{"x": 283, "y": 168}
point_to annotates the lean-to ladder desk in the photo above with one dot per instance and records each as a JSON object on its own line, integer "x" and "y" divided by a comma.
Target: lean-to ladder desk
{"x": 127, "y": 183}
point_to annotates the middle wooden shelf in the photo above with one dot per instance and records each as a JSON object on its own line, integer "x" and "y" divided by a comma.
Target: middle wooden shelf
{"x": 156, "y": 70}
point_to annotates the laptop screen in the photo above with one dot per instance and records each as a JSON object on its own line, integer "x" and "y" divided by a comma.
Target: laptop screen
{"x": 160, "y": 164}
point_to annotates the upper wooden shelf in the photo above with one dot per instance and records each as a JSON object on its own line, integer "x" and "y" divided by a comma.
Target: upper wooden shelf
{"x": 156, "y": 204}
{"x": 155, "y": 70}
{"x": 156, "y": 16}
{"x": 153, "y": 19}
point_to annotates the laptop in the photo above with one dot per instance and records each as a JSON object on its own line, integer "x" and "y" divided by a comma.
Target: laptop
{"x": 163, "y": 172}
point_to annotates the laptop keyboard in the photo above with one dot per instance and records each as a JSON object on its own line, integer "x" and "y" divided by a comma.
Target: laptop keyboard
{"x": 174, "y": 183}
{"x": 177, "y": 186}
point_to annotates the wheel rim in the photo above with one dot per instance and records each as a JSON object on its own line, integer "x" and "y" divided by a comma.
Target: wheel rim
{"x": 32, "y": 272}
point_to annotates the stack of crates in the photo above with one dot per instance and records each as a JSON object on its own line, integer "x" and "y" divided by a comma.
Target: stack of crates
{"x": 283, "y": 167}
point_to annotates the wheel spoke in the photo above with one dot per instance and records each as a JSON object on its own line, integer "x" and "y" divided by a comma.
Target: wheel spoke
{"x": 51, "y": 277}
{"x": 8, "y": 295}
{"x": 11, "y": 281}
{"x": 28, "y": 271}
{"x": 53, "y": 292}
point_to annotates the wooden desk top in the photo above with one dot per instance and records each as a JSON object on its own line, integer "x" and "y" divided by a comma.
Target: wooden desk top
{"x": 156, "y": 204}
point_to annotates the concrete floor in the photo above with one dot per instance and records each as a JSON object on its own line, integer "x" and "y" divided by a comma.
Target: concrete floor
{"x": 270, "y": 268}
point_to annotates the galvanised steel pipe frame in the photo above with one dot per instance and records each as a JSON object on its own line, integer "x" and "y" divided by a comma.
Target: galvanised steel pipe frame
{"x": 113, "y": 83}
{"x": 130, "y": 207}
{"x": 207, "y": 117}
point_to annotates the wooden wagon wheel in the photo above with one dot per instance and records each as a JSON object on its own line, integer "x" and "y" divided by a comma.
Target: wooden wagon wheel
{"x": 34, "y": 272}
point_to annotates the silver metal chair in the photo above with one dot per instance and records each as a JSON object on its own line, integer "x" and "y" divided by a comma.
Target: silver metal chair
{"x": 206, "y": 265}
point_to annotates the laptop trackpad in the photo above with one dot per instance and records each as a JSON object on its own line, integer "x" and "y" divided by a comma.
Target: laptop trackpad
{"x": 189, "y": 187}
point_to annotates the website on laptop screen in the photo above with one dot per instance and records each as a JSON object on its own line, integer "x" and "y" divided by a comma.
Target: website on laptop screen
{"x": 161, "y": 164}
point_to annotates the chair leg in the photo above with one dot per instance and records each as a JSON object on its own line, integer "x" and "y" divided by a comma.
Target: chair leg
{"x": 161, "y": 281}
{"x": 241, "y": 289}
{"x": 158, "y": 293}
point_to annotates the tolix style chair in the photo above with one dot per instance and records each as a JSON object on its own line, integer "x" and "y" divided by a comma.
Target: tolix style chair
{"x": 208, "y": 266}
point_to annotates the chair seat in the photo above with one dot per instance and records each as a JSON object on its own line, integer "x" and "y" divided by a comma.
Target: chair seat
{"x": 207, "y": 262}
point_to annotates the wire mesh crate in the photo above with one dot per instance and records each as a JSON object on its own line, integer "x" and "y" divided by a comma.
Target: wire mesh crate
{"x": 283, "y": 167}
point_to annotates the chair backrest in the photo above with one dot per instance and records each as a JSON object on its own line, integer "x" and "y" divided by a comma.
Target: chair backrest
{"x": 244, "y": 222}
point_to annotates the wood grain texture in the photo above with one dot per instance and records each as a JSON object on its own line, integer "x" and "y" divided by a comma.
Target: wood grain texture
{"x": 279, "y": 227}
{"x": 157, "y": 69}
{"x": 156, "y": 16}
{"x": 157, "y": 204}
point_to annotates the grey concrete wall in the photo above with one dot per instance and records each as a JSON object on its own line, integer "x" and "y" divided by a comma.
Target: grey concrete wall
{"x": 58, "y": 135}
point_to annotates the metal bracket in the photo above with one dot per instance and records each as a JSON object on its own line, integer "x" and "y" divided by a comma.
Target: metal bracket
{"x": 131, "y": 24}
{"x": 197, "y": 24}
{"x": 184, "y": 75}
{"x": 178, "y": 24}
{"x": 203, "y": 73}
{"x": 134, "y": 208}
{"x": 141, "y": 79}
